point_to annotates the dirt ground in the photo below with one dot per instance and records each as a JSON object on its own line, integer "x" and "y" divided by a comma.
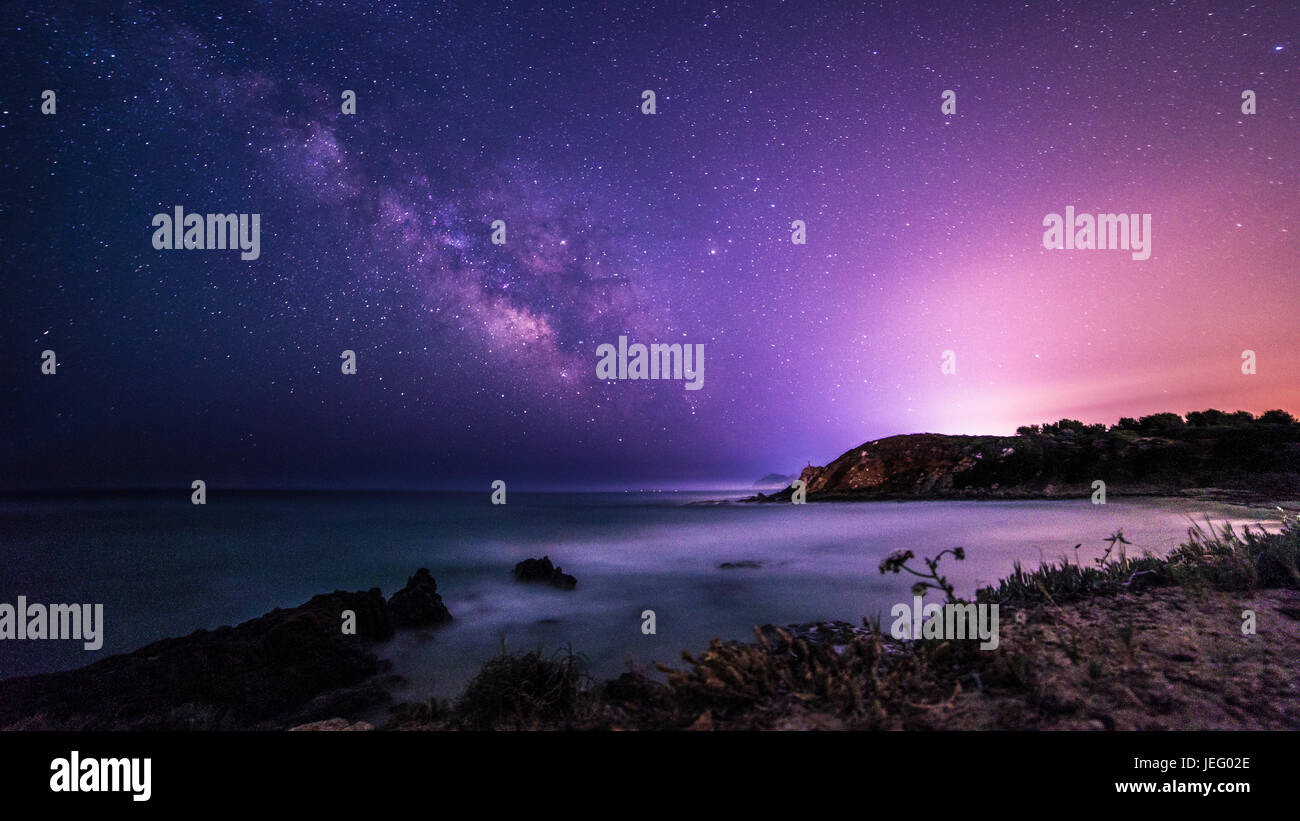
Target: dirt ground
{"x": 1168, "y": 659}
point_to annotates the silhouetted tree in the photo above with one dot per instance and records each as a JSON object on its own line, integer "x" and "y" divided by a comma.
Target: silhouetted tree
{"x": 1161, "y": 422}
{"x": 1207, "y": 418}
{"x": 1277, "y": 417}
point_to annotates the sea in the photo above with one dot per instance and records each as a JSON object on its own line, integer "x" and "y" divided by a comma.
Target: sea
{"x": 162, "y": 566}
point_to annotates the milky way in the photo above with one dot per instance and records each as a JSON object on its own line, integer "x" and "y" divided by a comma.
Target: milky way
{"x": 477, "y": 361}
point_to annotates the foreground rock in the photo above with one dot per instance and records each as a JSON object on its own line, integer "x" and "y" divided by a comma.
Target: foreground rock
{"x": 1160, "y": 660}
{"x": 1170, "y": 659}
{"x": 333, "y": 725}
{"x": 418, "y": 604}
{"x": 286, "y": 668}
{"x": 541, "y": 570}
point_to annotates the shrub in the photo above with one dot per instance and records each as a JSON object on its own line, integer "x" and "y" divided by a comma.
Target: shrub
{"x": 869, "y": 683}
{"x": 1064, "y": 582}
{"x": 1207, "y": 418}
{"x": 1231, "y": 561}
{"x": 525, "y": 690}
{"x": 1160, "y": 422}
{"x": 1277, "y": 417}
{"x": 1222, "y": 559}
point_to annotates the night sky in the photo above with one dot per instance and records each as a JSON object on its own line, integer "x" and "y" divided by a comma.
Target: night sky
{"x": 477, "y": 362}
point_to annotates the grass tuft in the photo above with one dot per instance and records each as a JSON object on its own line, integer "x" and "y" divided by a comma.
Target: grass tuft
{"x": 525, "y": 690}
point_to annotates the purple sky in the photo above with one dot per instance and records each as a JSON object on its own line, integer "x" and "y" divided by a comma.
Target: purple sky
{"x": 475, "y": 361}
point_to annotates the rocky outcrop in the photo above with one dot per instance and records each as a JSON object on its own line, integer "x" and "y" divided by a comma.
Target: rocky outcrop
{"x": 916, "y": 465}
{"x": 418, "y": 604}
{"x": 289, "y": 667}
{"x": 541, "y": 570}
{"x": 232, "y": 677}
{"x": 1260, "y": 462}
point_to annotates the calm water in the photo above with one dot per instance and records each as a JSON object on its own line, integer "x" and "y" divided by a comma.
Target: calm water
{"x": 163, "y": 567}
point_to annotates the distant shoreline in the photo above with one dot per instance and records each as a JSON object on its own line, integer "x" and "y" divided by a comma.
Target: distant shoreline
{"x": 1210, "y": 456}
{"x": 1244, "y": 500}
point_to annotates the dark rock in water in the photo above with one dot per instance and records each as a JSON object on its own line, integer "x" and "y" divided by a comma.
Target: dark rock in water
{"x": 535, "y": 570}
{"x": 260, "y": 674}
{"x": 734, "y": 565}
{"x": 541, "y": 570}
{"x": 783, "y": 495}
{"x": 418, "y": 603}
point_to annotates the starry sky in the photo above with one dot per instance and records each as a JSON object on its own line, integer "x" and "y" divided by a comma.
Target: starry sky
{"x": 477, "y": 362}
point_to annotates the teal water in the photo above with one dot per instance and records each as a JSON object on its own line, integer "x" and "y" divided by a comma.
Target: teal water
{"x": 163, "y": 567}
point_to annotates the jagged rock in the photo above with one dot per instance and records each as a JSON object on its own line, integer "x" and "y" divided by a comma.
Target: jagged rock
{"x": 373, "y": 621}
{"x": 253, "y": 675}
{"x": 535, "y": 570}
{"x": 541, "y": 570}
{"x": 563, "y": 580}
{"x": 418, "y": 603}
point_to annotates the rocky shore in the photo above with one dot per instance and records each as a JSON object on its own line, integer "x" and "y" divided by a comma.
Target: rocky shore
{"x": 1250, "y": 462}
{"x": 1202, "y": 639}
{"x": 288, "y": 667}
